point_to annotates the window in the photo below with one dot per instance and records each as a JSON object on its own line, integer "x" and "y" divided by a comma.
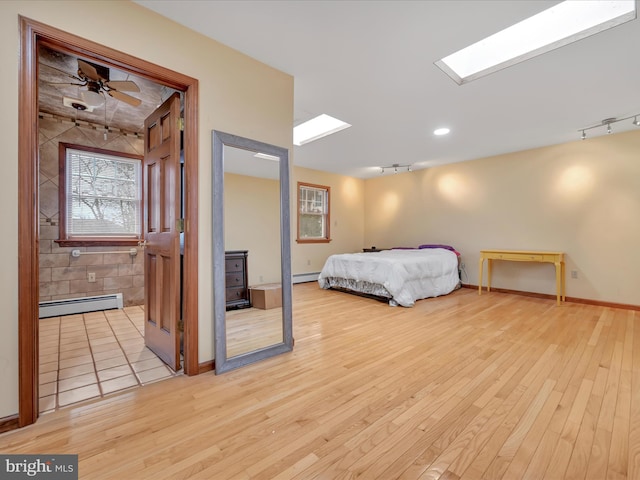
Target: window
{"x": 100, "y": 196}
{"x": 313, "y": 213}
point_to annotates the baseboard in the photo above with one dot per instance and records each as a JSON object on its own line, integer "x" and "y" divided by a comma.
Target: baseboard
{"x": 586, "y": 301}
{"x": 305, "y": 277}
{"x": 205, "y": 367}
{"x": 624, "y": 306}
{"x": 9, "y": 423}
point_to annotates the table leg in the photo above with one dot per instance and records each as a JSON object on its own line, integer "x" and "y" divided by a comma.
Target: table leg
{"x": 558, "y": 281}
{"x": 489, "y": 266}
{"x": 480, "y": 276}
{"x": 564, "y": 282}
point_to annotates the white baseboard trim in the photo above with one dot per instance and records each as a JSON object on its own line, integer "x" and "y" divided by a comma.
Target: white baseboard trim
{"x": 305, "y": 277}
{"x": 55, "y": 308}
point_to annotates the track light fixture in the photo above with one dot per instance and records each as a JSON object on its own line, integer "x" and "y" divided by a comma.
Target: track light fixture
{"x": 607, "y": 122}
{"x": 395, "y": 167}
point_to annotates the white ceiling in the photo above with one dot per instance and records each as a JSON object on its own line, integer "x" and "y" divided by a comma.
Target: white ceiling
{"x": 371, "y": 64}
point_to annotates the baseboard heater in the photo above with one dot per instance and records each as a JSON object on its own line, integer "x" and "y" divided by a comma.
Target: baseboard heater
{"x": 69, "y": 306}
{"x": 305, "y": 277}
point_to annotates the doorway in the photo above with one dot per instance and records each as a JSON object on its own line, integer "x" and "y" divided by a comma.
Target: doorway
{"x": 32, "y": 33}
{"x": 91, "y": 154}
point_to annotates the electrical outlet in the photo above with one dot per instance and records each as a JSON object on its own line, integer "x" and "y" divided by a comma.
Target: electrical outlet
{"x": 308, "y": 262}
{"x": 574, "y": 274}
{"x": 91, "y": 277}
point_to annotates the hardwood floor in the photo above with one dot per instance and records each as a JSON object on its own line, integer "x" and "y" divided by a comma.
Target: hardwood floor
{"x": 496, "y": 386}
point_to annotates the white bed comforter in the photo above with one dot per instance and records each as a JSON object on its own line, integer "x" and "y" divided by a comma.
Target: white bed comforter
{"x": 408, "y": 275}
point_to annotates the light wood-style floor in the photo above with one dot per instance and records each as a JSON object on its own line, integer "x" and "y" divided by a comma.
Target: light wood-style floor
{"x": 496, "y": 386}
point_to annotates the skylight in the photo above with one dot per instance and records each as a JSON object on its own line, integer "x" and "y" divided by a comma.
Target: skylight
{"x": 557, "y": 26}
{"x": 266, "y": 156}
{"x": 316, "y": 128}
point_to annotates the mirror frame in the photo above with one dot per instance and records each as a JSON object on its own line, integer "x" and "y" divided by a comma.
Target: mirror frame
{"x": 222, "y": 362}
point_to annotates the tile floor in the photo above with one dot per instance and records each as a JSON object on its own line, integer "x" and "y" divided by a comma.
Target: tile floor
{"x": 93, "y": 354}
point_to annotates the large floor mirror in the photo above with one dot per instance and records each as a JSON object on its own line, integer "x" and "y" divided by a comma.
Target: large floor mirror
{"x": 251, "y": 251}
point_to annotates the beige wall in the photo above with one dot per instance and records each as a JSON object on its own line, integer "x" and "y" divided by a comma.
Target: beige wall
{"x": 252, "y": 219}
{"x": 347, "y": 219}
{"x": 582, "y": 198}
{"x": 237, "y": 95}
{"x": 252, "y": 222}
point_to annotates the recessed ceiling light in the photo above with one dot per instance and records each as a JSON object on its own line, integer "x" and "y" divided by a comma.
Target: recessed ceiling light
{"x": 441, "y": 131}
{"x": 316, "y": 128}
{"x": 564, "y": 23}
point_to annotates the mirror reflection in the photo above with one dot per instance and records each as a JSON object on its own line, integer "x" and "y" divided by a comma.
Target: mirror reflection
{"x": 252, "y": 251}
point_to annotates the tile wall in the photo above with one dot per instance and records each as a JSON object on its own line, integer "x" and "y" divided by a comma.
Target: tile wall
{"x": 61, "y": 275}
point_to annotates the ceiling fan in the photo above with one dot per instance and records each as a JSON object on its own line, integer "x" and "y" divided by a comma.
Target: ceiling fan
{"x": 96, "y": 79}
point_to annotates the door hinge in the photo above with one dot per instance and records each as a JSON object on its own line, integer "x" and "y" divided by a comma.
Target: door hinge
{"x": 181, "y": 325}
{"x": 181, "y": 124}
{"x": 180, "y": 225}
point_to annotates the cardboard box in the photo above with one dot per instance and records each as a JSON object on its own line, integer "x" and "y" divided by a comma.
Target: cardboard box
{"x": 266, "y": 296}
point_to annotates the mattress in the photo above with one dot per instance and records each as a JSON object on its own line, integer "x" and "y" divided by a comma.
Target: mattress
{"x": 403, "y": 276}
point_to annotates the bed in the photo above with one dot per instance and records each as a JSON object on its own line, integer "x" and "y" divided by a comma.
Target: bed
{"x": 401, "y": 276}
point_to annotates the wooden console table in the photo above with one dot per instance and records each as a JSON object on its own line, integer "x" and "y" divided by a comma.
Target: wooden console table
{"x": 557, "y": 258}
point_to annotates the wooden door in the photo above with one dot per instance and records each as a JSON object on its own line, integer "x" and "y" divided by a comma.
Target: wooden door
{"x": 162, "y": 244}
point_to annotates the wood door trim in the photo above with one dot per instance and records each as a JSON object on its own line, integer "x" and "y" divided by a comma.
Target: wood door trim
{"x": 8, "y": 423}
{"x": 31, "y": 33}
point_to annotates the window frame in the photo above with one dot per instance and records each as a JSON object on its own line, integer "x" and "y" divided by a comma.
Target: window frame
{"x": 326, "y": 215}
{"x": 67, "y": 240}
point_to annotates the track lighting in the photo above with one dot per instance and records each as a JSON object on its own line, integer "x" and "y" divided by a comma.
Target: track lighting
{"x": 607, "y": 122}
{"x": 395, "y": 168}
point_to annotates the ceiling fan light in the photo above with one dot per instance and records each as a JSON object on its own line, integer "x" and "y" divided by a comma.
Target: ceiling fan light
{"x": 93, "y": 99}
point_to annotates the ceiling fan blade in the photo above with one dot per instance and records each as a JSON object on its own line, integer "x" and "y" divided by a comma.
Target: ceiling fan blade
{"x": 134, "y": 102}
{"x": 89, "y": 70}
{"x": 123, "y": 86}
{"x": 62, "y": 72}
